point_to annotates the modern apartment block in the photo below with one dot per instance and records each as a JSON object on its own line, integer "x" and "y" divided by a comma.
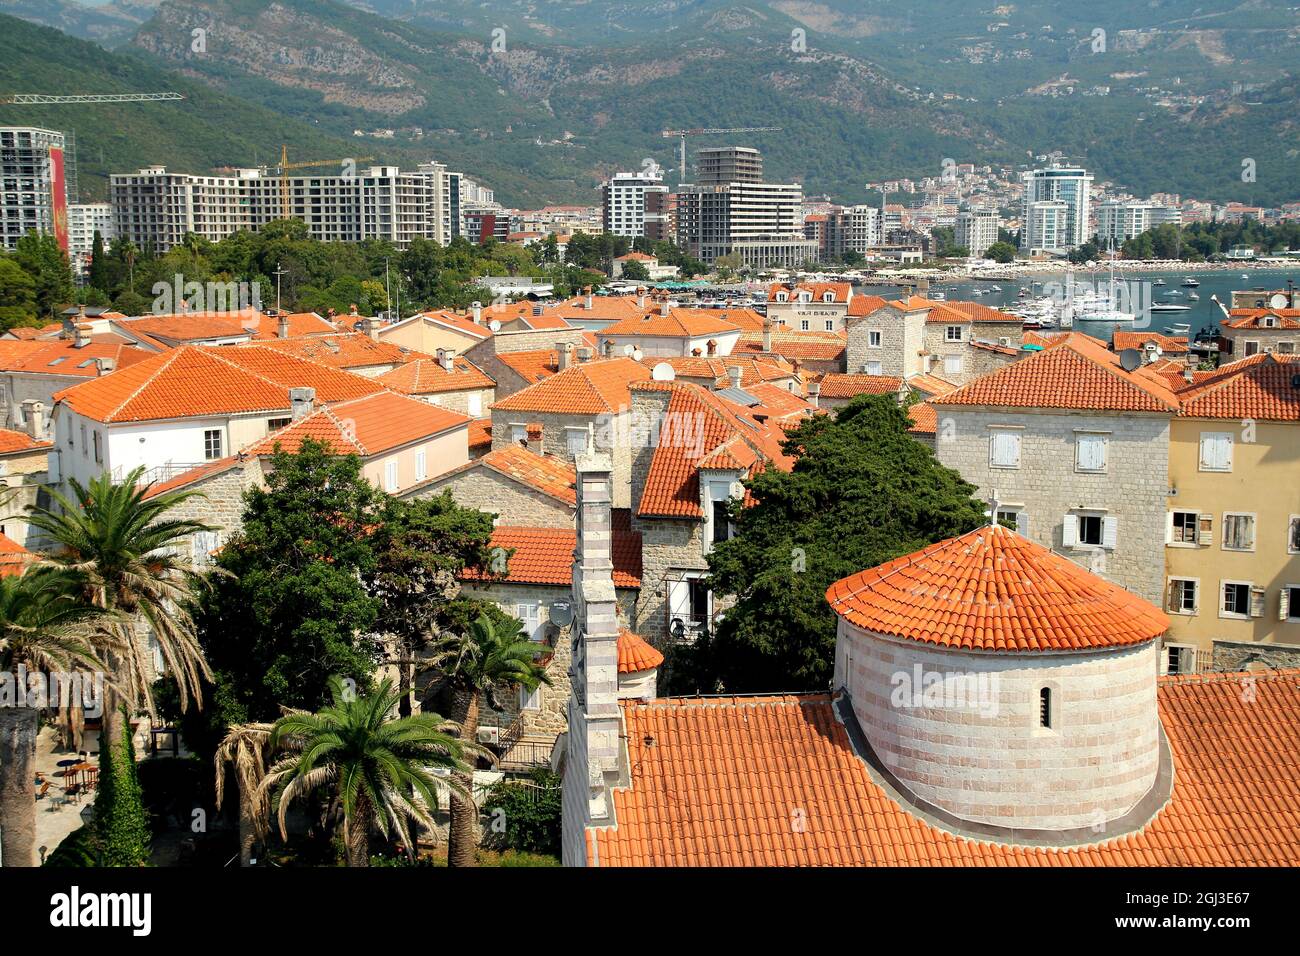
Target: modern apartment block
{"x": 977, "y": 229}
{"x": 635, "y": 204}
{"x": 1068, "y": 185}
{"x": 32, "y": 177}
{"x": 1118, "y": 221}
{"x": 760, "y": 222}
{"x": 84, "y": 220}
{"x": 852, "y": 229}
{"x": 158, "y": 208}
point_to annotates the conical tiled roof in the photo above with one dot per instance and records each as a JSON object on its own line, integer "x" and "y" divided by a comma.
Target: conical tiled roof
{"x": 634, "y": 654}
{"x": 994, "y": 590}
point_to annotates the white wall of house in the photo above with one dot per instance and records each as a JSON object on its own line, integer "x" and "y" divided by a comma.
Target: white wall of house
{"x": 665, "y": 345}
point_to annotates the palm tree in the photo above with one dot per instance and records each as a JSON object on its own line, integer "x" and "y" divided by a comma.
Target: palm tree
{"x": 246, "y": 747}
{"x": 120, "y": 548}
{"x": 483, "y": 660}
{"x": 371, "y": 765}
{"x": 43, "y": 628}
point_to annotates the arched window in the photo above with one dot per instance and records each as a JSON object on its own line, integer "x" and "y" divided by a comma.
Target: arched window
{"x": 1045, "y": 708}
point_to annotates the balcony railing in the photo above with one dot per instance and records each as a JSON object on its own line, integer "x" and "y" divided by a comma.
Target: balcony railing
{"x": 158, "y": 473}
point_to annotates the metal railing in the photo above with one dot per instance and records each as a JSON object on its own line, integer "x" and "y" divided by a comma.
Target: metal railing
{"x": 163, "y": 472}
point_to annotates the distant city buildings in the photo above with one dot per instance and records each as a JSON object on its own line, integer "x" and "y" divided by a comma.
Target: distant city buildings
{"x": 1056, "y": 204}
{"x": 35, "y": 194}
{"x": 635, "y": 205}
{"x": 1118, "y": 221}
{"x": 84, "y": 220}
{"x": 976, "y": 229}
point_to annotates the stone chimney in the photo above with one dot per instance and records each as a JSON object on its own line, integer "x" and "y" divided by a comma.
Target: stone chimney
{"x": 923, "y": 287}
{"x": 563, "y": 356}
{"x": 607, "y": 348}
{"x": 104, "y": 365}
{"x": 735, "y": 373}
{"x": 447, "y": 359}
{"x": 814, "y": 394}
{"x": 282, "y": 325}
{"x": 593, "y": 761}
{"x": 476, "y": 312}
{"x": 368, "y": 326}
{"x": 34, "y": 416}
{"x": 767, "y": 333}
{"x": 591, "y": 302}
{"x": 301, "y": 402}
{"x": 712, "y": 347}
{"x": 640, "y": 297}
{"x": 663, "y": 306}
{"x": 81, "y": 335}
{"x": 585, "y": 353}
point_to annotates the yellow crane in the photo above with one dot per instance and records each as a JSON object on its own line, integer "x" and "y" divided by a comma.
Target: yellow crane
{"x": 285, "y": 166}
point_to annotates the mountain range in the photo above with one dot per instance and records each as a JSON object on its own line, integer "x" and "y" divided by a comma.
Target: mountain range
{"x": 542, "y": 99}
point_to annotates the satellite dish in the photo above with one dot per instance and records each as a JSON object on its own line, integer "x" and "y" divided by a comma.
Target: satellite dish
{"x": 561, "y": 614}
{"x": 1278, "y": 300}
{"x": 1130, "y": 359}
{"x": 495, "y": 325}
{"x": 629, "y": 349}
{"x": 663, "y": 372}
{"x": 636, "y": 354}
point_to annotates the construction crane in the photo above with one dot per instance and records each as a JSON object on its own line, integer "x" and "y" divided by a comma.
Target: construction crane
{"x": 285, "y": 166}
{"x": 683, "y": 133}
{"x": 46, "y": 99}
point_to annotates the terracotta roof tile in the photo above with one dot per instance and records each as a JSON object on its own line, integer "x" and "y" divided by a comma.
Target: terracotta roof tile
{"x": 1258, "y": 388}
{"x": 1169, "y": 344}
{"x": 804, "y": 346}
{"x": 452, "y": 320}
{"x": 587, "y": 388}
{"x": 346, "y": 350}
{"x": 62, "y": 357}
{"x": 835, "y": 385}
{"x": 714, "y": 781}
{"x": 15, "y": 441}
{"x": 678, "y": 323}
{"x": 480, "y": 433}
{"x": 14, "y": 558}
{"x": 545, "y": 473}
{"x": 1253, "y": 318}
{"x": 1079, "y": 374}
{"x": 865, "y": 304}
{"x": 840, "y": 290}
{"x": 365, "y": 426}
{"x": 993, "y": 590}
{"x": 426, "y": 376}
{"x": 931, "y": 384}
{"x": 545, "y": 556}
{"x": 635, "y": 654}
{"x": 713, "y": 371}
{"x": 925, "y": 420}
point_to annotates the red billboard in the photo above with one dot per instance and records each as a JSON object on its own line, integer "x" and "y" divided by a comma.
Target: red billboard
{"x": 59, "y": 197}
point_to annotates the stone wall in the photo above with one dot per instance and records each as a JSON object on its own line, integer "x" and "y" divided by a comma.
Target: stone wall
{"x": 1046, "y": 485}
{"x": 459, "y": 401}
{"x": 1232, "y": 656}
{"x": 604, "y": 428}
{"x": 514, "y": 503}
{"x": 901, "y": 341}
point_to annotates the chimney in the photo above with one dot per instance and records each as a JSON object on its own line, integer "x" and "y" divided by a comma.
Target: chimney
{"x": 663, "y": 306}
{"x": 767, "y": 334}
{"x": 923, "y": 287}
{"x": 81, "y": 335}
{"x": 282, "y": 325}
{"x": 447, "y": 359}
{"x": 368, "y": 326}
{"x": 476, "y": 312}
{"x": 34, "y": 416}
{"x": 640, "y": 297}
{"x": 585, "y": 353}
{"x": 595, "y": 759}
{"x": 1189, "y": 374}
{"x": 712, "y": 346}
{"x": 607, "y": 348}
{"x": 814, "y": 394}
{"x": 301, "y": 401}
{"x": 562, "y": 356}
{"x": 591, "y": 302}
{"x": 352, "y": 310}
{"x": 735, "y": 373}
{"x": 104, "y": 365}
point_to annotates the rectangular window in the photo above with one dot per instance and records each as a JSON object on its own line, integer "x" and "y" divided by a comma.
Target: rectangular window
{"x": 1238, "y": 532}
{"x": 721, "y": 521}
{"x": 1182, "y": 596}
{"x": 1289, "y": 608}
{"x": 474, "y": 404}
{"x": 1236, "y": 599}
{"x": 1293, "y": 535}
{"x": 875, "y": 368}
{"x": 575, "y": 440}
{"x": 1015, "y": 519}
{"x": 1216, "y": 451}
{"x": 518, "y": 434}
{"x": 1182, "y": 527}
{"x": 803, "y": 325}
{"x": 1178, "y": 659}
{"x": 1004, "y": 449}
{"x": 530, "y": 699}
{"x": 1090, "y": 453}
{"x": 421, "y": 465}
{"x": 952, "y": 364}
{"x": 390, "y": 476}
{"x": 952, "y": 333}
{"x": 530, "y": 616}
{"x": 830, "y": 325}
{"x": 1252, "y": 347}
{"x": 1090, "y": 529}
{"x": 873, "y": 339}
{"x": 212, "y": 444}
{"x": 275, "y": 424}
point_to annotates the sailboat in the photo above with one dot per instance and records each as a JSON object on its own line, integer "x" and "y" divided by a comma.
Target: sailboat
{"x": 1101, "y": 308}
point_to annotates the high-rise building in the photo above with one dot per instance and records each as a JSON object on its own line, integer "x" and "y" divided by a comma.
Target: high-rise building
{"x": 1069, "y": 185}
{"x": 976, "y": 229}
{"x": 84, "y": 220}
{"x": 1046, "y": 227}
{"x": 635, "y": 204}
{"x": 761, "y": 222}
{"x": 1118, "y": 221}
{"x": 852, "y": 229}
{"x": 157, "y": 208}
{"x": 32, "y": 176}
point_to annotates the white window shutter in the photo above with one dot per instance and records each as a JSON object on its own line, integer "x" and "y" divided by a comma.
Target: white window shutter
{"x": 1022, "y": 523}
{"x": 1164, "y": 661}
{"x": 1284, "y": 604}
{"x": 1070, "y": 531}
{"x": 1169, "y": 527}
{"x": 679, "y": 601}
{"x": 1256, "y": 602}
{"x": 1225, "y": 452}
{"x": 1109, "y": 531}
{"x": 1172, "y": 596}
{"x": 1205, "y": 530}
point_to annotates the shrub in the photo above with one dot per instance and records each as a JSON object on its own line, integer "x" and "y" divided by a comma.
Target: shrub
{"x": 524, "y": 815}
{"x": 121, "y": 824}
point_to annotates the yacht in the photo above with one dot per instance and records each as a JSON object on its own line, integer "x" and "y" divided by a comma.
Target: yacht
{"x": 1172, "y": 293}
{"x": 1096, "y": 306}
{"x": 1159, "y": 282}
{"x": 1191, "y": 283}
{"x": 1193, "y": 297}
{"x": 1178, "y": 328}
{"x": 1169, "y": 307}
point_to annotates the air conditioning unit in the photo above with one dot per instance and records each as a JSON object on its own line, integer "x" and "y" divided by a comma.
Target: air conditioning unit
{"x": 489, "y": 735}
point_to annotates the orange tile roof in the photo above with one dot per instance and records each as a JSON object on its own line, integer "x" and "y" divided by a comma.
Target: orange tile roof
{"x": 715, "y": 779}
{"x": 925, "y": 420}
{"x": 194, "y": 381}
{"x": 428, "y": 377}
{"x": 804, "y": 346}
{"x": 14, "y": 558}
{"x": 182, "y": 327}
{"x": 931, "y": 384}
{"x": 678, "y": 323}
{"x": 365, "y": 426}
{"x": 480, "y": 433}
{"x": 713, "y": 371}
{"x": 346, "y": 350}
{"x": 14, "y": 441}
{"x": 532, "y": 365}
{"x": 1078, "y": 374}
{"x": 545, "y": 556}
{"x": 587, "y": 388}
{"x": 840, "y": 290}
{"x": 300, "y": 323}
{"x": 63, "y": 357}
{"x": 185, "y": 479}
{"x": 970, "y": 312}
{"x": 835, "y": 385}
{"x": 992, "y": 589}
{"x": 865, "y": 304}
{"x": 635, "y": 654}
{"x": 1252, "y": 318}
{"x": 545, "y": 473}
{"x": 1258, "y": 388}
{"x": 1170, "y": 344}
{"x": 612, "y": 307}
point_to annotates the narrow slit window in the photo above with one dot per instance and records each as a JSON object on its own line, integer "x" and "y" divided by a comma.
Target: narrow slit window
{"x": 1045, "y": 708}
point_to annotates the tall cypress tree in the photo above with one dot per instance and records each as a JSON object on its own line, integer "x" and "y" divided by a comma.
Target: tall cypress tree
{"x": 98, "y": 277}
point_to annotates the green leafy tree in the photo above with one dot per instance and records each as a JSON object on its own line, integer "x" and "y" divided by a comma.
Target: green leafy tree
{"x": 373, "y": 767}
{"x": 635, "y": 271}
{"x": 485, "y": 658}
{"x": 47, "y": 264}
{"x": 17, "y": 295}
{"x": 1001, "y": 252}
{"x": 530, "y": 813}
{"x": 293, "y": 609}
{"x": 862, "y": 491}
